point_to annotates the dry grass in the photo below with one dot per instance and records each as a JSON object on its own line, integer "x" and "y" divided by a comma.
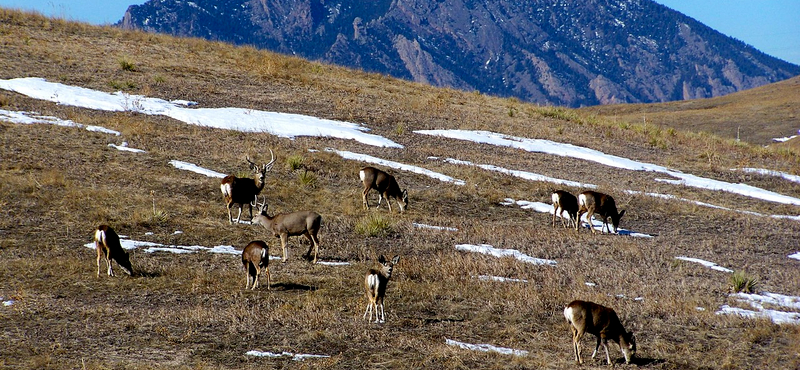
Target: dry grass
{"x": 190, "y": 311}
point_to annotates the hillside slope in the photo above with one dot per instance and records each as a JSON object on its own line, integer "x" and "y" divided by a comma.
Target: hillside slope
{"x": 190, "y": 309}
{"x": 757, "y": 116}
{"x": 568, "y": 53}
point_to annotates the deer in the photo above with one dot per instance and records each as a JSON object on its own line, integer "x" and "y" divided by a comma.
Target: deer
{"x": 244, "y": 190}
{"x": 106, "y": 241}
{"x": 284, "y": 225}
{"x": 255, "y": 258}
{"x": 375, "y": 283}
{"x": 592, "y": 202}
{"x": 386, "y": 185}
{"x": 564, "y": 201}
{"x": 590, "y": 317}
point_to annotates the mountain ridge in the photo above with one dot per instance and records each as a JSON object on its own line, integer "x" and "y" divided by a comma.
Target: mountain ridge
{"x": 565, "y": 53}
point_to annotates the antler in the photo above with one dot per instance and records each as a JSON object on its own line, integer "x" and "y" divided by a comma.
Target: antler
{"x": 252, "y": 164}
{"x": 268, "y": 166}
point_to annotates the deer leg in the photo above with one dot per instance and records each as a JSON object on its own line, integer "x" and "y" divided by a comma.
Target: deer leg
{"x": 314, "y": 245}
{"x": 369, "y": 310}
{"x": 596, "y": 347}
{"x": 239, "y": 217}
{"x": 608, "y": 357}
{"x": 230, "y": 217}
{"x": 246, "y": 276}
{"x": 555, "y": 211}
{"x": 364, "y": 202}
{"x": 269, "y": 282}
{"x": 284, "y": 240}
{"x": 578, "y": 223}
{"x": 97, "y": 246}
{"x": 380, "y": 200}
{"x": 383, "y": 314}
{"x": 576, "y": 344}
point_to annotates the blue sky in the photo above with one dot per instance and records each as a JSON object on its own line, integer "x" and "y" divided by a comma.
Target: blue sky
{"x": 771, "y": 26}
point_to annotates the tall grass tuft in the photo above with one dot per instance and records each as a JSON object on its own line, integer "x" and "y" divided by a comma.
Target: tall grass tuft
{"x": 742, "y": 282}
{"x": 374, "y": 224}
{"x": 295, "y": 162}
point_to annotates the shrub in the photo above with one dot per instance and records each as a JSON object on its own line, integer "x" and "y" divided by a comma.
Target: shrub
{"x": 307, "y": 178}
{"x": 127, "y": 65}
{"x": 374, "y": 224}
{"x": 294, "y": 162}
{"x": 743, "y": 282}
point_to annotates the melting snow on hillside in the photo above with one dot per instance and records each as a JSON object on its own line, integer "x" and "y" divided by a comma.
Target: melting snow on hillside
{"x": 294, "y": 356}
{"x": 30, "y": 118}
{"x": 501, "y": 252}
{"x": 239, "y": 119}
{"x": 486, "y": 348}
{"x": 573, "y": 151}
{"x": 708, "y": 264}
{"x": 757, "y": 302}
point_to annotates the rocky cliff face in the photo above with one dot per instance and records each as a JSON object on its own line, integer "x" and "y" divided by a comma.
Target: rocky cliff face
{"x": 563, "y": 52}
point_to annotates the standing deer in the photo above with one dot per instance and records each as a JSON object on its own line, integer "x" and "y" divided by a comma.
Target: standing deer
{"x": 244, "y": 190}
{"x": 592, "y": 318}
{"x": 565, "y": 201}
{"x": 285, "y": 225}
{"x": 592, "y": 202}
{"x": 375, "y": 283}
{"x": 385, "y": 184}
{"x": 106, "y": 241}
{"x": 255, "y": 257}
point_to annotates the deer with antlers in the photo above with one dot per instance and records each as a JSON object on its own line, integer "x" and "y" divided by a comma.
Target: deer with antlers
{"x": 244, "y": 190}
{"x": 285, "y": 225}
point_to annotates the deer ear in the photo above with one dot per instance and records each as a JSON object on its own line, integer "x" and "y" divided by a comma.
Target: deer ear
{"x": 382, "y": 259}
{"x": 395, "y": 259}
{"x": 621, "y": 213}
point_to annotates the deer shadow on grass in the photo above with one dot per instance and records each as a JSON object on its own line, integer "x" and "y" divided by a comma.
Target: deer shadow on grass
{"x": 644, "y": 361}
{"x": 292, "y": 287}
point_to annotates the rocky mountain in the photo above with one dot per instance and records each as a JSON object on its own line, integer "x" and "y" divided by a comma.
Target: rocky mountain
{"x": 563, "y": 52}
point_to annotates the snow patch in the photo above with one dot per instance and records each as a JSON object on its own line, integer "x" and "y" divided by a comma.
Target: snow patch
{"x": 238, "y": 119}
{"x": 294, "y": 356}
{"x": 500, "y": 252}
{"x": 708, "y": 264}
{"x": 195, "y": 168}
{"x": 486, "y": 348}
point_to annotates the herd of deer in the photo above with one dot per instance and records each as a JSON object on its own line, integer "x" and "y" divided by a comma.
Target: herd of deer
{"x": 583, "y": 317}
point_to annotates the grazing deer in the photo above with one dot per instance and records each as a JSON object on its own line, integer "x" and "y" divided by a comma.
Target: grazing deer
{"x": 565, "y": 201}
{"x": 591, "y": 202}
{"x": 255, "y": 257}
{"x": 285, "y": 225}
{"x": 244, "y": 190}
{"x": 106, "y": 241}
{"x": 589, "y": 317}
{"x": 385, "y": 184}
{"x": 375, "y": 282}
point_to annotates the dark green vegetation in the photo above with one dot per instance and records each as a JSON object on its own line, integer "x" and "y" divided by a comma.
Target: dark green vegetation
{"x": 191, "y": 311}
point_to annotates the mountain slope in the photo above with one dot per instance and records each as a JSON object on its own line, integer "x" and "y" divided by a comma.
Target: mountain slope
{"x": 756, "y": 116}
{"x": 571, "y": 53}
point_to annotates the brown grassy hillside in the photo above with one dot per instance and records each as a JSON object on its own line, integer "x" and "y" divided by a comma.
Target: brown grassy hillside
{"x": 191, "y": 311}
{"x": 756, "y": 116}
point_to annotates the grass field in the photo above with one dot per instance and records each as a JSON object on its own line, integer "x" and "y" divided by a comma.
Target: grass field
{"x": 191, "y": 310}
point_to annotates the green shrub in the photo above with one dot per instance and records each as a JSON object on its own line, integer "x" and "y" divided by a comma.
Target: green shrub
{"x": 294, "y": 162}
{"x": 127, "y": 65}
{"x": 743, "y": 282}
{"x": 375, "y": 224}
